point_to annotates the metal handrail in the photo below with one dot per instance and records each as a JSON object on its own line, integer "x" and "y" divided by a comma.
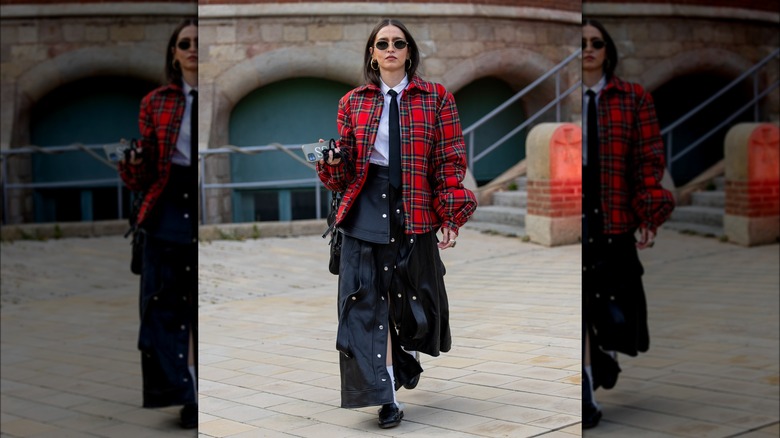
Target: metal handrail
{"x": 5, "y": 155}
{"x": 484, "y": 119}
{"x": 757, "y": 96}
{"x": 252, "y": 150}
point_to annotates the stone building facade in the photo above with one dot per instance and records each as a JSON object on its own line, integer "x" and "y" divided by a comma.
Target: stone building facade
{"x": 684, "y": 52}
{"x": 44, "y": 47}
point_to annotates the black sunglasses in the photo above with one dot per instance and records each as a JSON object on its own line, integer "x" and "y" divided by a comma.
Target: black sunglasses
{"x": 398, "y": 44}
{"x": 596, "y": 44}
{"x": 185, "y": 44}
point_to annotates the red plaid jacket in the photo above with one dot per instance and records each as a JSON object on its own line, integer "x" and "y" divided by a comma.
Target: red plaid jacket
{"x": 632, "y": 160}
{"x": 433, "y": 154}
{"x": 159, "y": 121}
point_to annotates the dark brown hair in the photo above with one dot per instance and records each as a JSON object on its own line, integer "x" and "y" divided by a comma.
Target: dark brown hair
{"x": 612, "y": 56}
{"x": 172, "y": 68}
{"x": 372, "y": 76}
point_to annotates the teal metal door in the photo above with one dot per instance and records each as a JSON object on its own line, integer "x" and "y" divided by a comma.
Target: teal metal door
{"x": 89, "y": 111}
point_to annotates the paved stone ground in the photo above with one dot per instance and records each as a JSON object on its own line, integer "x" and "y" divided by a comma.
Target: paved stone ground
{"x": 713, "y": 365}
{"x": 70, "y": 367}
{"x": 269, "y": 368}
{"x": 269, "y": 365}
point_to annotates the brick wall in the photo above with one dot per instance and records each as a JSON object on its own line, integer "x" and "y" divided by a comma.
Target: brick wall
{"x": 753, "y": 198}
{"x": 563, "y": 5}
{"x": 555, "y": 198}
{"x": 760, "y": 5}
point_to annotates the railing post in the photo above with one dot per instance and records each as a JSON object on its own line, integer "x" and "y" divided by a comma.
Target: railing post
{"x": 471, "y": 151}
{"x": 119, "y": 198}
{"x": 5, "y": 189}
{"x": 318, "y": 199}
{"x": 669, "y": 151}
{"x": 755, "y": 97}
{"x": 558, "y": 96}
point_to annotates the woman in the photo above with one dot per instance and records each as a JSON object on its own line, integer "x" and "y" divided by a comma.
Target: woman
{"x": 164, "y": 168}
{"x": 401, "y": 176}
{"x": 623, "y": 165}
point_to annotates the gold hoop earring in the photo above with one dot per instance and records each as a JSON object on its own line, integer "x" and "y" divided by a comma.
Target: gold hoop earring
{"x": 410, "y": 63}
{"x": 374, "y": 64}
{"x": 175, "y": 65}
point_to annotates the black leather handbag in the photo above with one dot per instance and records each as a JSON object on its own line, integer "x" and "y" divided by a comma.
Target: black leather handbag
{"x": 335, "y": 235}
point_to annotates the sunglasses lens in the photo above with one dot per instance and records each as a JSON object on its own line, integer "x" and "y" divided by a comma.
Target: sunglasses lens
{"x": 183, "y": 45}
{"x": 399, "y": 44}
{"x": 598, "y": 44}
{"x": 382, "y": 45}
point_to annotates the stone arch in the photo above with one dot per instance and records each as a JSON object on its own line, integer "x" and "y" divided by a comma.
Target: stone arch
{"x": 725, "y": 62}
{"x": 517, "y": 67}
{"x": 333, "y": 63}
{"x": 132, "y": 61}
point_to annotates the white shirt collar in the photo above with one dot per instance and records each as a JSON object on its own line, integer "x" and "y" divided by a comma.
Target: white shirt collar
{"x": 596, "y": 88}
{"x": 186, "y": 87}
{"x": 398, "y": 88}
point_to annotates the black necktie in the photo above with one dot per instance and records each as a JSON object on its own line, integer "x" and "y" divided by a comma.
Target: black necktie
{"x": 593, "y": 130}
{"x": 395, "y": 142}
{"x": 194, "y": 128}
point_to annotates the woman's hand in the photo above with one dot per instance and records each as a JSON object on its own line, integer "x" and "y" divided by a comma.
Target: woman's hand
{"x": 448, "y": 238}
{"x": 646, "y": 238}
{"x": 330, "y": 161}
{"x": 136, "y": 157}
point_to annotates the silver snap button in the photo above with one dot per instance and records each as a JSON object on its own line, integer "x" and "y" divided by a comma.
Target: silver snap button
{"x": 414, "y": 297}
{"x": 379, "y": 355}
{"x": 186, "y": 215}
{"x": 392, "y": 239}
{"x": 598, "y": 295}
{"x": 384, "y": 196}
{"x": 186, "y": 196}
{"x": 384, "y": 215}
{"x": 386, "y": 268}
{"x": 354, "y": 298}
{"x": 381, "y": 327}
{"x": 183, "y": 327}
{"x": 399, "y": 295}
{"x": 181, "y": 355}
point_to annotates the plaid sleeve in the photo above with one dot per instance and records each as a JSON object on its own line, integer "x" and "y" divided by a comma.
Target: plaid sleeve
{"x": 651, "y": 202}
{"x": 139, "y": 177}
{"x": 337, "y": 177}
{"x": 453, "y": 203}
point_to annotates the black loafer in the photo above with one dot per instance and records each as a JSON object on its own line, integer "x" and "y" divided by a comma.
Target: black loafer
{"x": 188, "y": 417}
{"x": 590, "y": 416}
{"x": 390, "y": 416}
{"x": 606, "y": 371}
{"x": 411, "y": 384}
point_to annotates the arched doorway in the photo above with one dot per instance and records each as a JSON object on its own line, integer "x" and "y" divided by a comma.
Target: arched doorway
{"x": 290, "y": 111}
{"x": 479, "y": 98}
{"x": 89, "y": 111}
{"x": 677, "y": 97}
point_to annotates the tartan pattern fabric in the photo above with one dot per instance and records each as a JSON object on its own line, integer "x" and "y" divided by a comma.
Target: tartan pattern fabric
{"x": 433, "y": 154}
{"x": 631, "y": 159}
{"x": 159, "y": 121}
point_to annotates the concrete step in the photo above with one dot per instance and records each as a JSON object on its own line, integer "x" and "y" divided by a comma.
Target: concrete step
{"x": 499, "y": 214}
{"x": 491, "y": 228}
{"x": 698, "y": 229}
{"x": 695, "y": 214}
{"x": 709, "y": 199}
{"x": 511, "y": 198}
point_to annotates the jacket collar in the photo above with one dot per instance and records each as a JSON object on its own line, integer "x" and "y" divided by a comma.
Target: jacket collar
{"x": 617, "y": 84}
{"x": 415, "y": 83}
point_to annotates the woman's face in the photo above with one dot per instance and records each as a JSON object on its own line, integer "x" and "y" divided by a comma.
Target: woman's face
{"x": 390, "y": 59}
{"x": 186, "y": 50}
{"x": 592, "y": 58}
